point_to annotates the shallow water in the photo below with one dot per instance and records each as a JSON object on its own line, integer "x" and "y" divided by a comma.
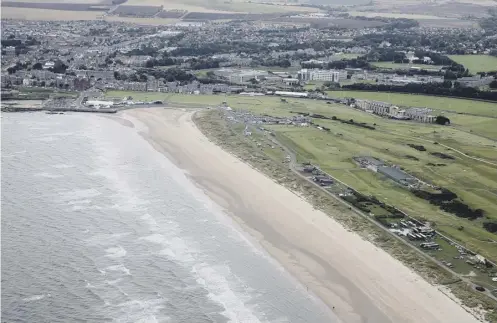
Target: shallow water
{"x": 97, "y": 226}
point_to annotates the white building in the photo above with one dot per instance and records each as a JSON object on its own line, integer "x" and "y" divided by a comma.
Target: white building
{"x": 376, "y": 107}
{"x": 99, "y": 104}
{"x": 292, "y": 94}
{"x": 48, "y": 65}
{"x": 246, "y": 75}
{"x": 10, "y": 51}
{"x": 318, "y": 75}
{"x": 389, "y": 110}
{"x": 290, "y": 81}
{"x": 238, "y": 76}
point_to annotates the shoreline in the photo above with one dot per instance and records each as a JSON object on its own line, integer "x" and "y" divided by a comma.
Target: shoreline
{"x": 356, "y": 279}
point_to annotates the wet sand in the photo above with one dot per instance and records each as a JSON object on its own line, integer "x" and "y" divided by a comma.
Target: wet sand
{"x": 358, "y": 281}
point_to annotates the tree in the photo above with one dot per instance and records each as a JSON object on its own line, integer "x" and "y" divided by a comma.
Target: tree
{"x": 150, "y": 63}
{"x": 490, "y": 226}
{"x": 331, "y": 85}
{"x": 447, "y": 84}
{"x": 37, "y": 66}
{"x": 285, "y": 63}
{"x": 59, "y": 67}
{"x": 449, "y": 75}
{"x": 442, "y": 120}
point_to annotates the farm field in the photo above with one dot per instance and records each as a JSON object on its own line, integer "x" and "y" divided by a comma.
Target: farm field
{"x": 391, "y": 65}
{"x": 476, "y": 63}
{"x": 47, "y": 14}
{"x": 391, "y": 15}
{"x": 220, "y": 6}
{"x": 60, "y": 1}
{"x": 144, "y": 21}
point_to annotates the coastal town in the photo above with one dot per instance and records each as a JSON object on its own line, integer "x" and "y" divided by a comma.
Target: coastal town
{"x": 267, "y": 58}
{"x": 388, "y": 119}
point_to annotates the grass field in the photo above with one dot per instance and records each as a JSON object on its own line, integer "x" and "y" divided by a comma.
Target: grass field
{"x": 391, "y": 65}
{"x": 346, "y": 56}
{"x": 476, "y": 63}
{"x": 434, "y": 102}
{"x": 475, "y": 182}
{"x": 207, "y": 100}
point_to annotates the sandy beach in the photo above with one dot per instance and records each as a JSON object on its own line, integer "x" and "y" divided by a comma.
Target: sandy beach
{"x": 358, "y": 281}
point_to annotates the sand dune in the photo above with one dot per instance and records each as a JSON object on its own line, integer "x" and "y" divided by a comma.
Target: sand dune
{"x": 360, "y": 282}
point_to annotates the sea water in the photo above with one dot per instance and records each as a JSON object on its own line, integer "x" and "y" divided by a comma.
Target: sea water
{"x": 97, "y": 226}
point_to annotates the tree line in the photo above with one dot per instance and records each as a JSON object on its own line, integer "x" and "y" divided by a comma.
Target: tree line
{"x": 440, "y": 89}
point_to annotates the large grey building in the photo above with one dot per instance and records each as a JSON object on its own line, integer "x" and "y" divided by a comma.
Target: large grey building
{"x": 397, "y": 175}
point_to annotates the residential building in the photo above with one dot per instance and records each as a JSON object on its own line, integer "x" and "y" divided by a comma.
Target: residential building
{"x": 376, "y": 107}
{"x": 10, "y": 51}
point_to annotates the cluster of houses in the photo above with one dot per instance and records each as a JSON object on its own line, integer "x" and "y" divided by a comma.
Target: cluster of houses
{"x": 318, "y": 177}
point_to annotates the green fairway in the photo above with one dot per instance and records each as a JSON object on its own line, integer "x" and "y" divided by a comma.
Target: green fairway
{"x": 207, "y": 100}
{"x": 391, "y": 65}
{"x": 476, "y": 63}
{"x": 475, "y": 182}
